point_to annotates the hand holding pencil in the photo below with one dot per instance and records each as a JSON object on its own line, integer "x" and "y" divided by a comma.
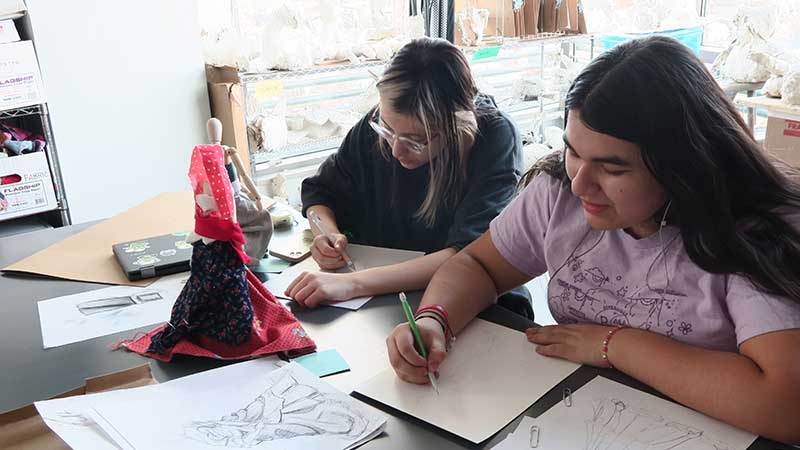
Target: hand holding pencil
{"x": 328, "y": 249}
{"x": 406, "y": 349}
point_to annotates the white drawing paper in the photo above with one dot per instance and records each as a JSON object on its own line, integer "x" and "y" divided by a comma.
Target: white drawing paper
{"x": 606, "y": 415}
{"x": 238, "y": 407}
{"x": 79, "y": 317}
{"x": 490, "y": 376}
{"x": 363, "y": 256}
{"x": 72, "y": 418}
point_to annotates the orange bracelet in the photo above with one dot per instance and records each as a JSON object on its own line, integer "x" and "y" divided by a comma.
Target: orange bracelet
{"x": 604, "y": 351}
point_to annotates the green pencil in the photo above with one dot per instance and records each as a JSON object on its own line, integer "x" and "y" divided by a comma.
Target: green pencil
{"x": 417, "y": 338}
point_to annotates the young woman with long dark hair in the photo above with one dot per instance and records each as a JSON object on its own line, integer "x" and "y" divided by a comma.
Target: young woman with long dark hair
{"x": 671, "y": 240}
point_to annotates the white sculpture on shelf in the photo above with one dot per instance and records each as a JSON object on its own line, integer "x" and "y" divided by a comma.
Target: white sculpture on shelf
{"x": 790, "y": 89}
{"x": 754, "y": 27}
{"x": 472, "y": 24}
{"x": 784, "y": 81}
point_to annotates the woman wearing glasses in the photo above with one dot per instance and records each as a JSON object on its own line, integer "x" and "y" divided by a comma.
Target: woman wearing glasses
{"x": 426, "y": 170}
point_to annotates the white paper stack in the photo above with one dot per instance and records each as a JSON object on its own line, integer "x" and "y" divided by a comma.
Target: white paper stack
{"x": 262, "y": 403}
{"x": 606, "y": 415}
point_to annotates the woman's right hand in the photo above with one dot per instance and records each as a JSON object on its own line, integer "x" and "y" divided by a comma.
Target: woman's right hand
{"x": 329, "y": 256}
{"x": 409, "y": 365}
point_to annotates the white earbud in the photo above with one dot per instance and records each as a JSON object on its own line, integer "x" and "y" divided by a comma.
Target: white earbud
{"x": 664, "y": 217}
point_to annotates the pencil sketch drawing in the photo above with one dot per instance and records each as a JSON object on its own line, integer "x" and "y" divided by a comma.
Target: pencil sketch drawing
{"x": 285, "y": 410}
{"x": 614, "y": 425}
{"x": 65, "y": 417}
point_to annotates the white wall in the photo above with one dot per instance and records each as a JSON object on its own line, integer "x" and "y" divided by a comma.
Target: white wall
{"x": 126, "y": 89}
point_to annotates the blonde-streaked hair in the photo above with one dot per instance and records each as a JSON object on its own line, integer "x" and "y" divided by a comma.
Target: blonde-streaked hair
{"x": 430, "y": 80}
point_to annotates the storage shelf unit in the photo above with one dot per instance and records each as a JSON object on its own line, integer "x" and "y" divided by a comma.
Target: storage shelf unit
{"x": 343, "y": 92}
{"x": 62, "y": 211}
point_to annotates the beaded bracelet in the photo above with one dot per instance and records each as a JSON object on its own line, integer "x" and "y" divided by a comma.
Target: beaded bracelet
{"x": 604, "y": 351}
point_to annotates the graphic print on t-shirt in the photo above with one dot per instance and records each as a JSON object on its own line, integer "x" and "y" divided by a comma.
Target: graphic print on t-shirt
{"x": 580, "y": 294}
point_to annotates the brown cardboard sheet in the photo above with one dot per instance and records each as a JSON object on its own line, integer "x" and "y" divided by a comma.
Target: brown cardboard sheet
{"x": 24, "y": 429}
{"x": 87, "y": 256}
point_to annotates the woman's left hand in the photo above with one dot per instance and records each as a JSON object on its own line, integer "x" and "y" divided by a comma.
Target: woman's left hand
{"x": 312, "y": 288}
{"x": 580, "y": 343}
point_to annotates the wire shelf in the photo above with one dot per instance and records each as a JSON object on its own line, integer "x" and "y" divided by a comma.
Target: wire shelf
{"x": 23, "y": 111}
{"x": 261, "y": 156}
{"x": 252, "y": 77}
{"x": 339, "y": 82}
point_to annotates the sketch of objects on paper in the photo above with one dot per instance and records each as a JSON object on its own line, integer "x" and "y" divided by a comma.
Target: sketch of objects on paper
{"x": 616, "y": 425}
{"x": 91, "y": 314}
{"x": 285, "y": 410}
{"x": 113, "y": 303}
{"x": 606, "y": 415}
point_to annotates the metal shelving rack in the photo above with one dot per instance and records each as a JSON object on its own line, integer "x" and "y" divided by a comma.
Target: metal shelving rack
{"x": 52, "y": 156}
{"x": 338, "y": 86}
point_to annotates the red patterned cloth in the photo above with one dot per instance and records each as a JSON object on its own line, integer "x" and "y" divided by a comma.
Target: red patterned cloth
{"x": 208, "y": 164}
{"x": 275, "y": 330}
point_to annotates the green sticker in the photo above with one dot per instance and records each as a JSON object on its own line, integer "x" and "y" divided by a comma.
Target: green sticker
{"x": 323, "y": 363}
{"x": 488, "y": 52}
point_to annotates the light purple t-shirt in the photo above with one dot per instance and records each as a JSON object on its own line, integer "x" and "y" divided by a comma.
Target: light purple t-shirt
{"x": 609, "y": 277}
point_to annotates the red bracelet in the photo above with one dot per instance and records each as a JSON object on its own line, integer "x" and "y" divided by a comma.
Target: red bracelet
{"x": 604, "y": 352}
{"x": 439, "y": 310}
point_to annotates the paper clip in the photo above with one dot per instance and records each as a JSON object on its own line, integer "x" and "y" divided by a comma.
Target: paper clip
{"x": 567, "y": 397}
{"x": 534, "y": 436}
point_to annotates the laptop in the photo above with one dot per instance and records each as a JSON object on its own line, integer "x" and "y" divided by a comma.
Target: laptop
{"x": 154, "y": 256}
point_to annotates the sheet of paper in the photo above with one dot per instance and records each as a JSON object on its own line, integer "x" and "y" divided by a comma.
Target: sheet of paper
{"x": 363, "y": 256}
{"x": 87, "y": 256}
{"x": 78, "y": 317}
{"x": 323, "y": 363}
{"x": 606, "y": 415}
{"x": 71, "y": 418}
{"x": 491, "y": 375}
{"x": 238, "y": 406}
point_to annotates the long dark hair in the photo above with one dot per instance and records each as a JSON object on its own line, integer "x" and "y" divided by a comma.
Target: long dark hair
{"x": 727, "y": 194}
{"x": 430, "y": 80}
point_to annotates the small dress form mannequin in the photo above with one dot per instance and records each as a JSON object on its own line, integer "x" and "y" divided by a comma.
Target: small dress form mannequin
{"x": 255, "y": 221}
{"x": 223, "y": 311}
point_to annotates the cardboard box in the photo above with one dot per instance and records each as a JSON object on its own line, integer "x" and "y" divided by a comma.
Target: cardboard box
{"x": 783, "y": 139}
{"x": 8, "y": 31}
{"x": 34, "y": 192}
{"x": 20, "y": 78}
{"x": 227, "y": 105}
{"x": 24, "y": 429}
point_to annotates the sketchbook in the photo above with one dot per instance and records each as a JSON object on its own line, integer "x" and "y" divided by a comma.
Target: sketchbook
{"x": 490, "y": 376}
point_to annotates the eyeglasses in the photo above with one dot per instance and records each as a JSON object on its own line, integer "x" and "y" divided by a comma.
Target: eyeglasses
{"x": 390, "y": 136}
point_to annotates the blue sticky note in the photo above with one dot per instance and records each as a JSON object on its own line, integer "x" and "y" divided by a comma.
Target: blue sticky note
{"x": 323, "y": 363}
